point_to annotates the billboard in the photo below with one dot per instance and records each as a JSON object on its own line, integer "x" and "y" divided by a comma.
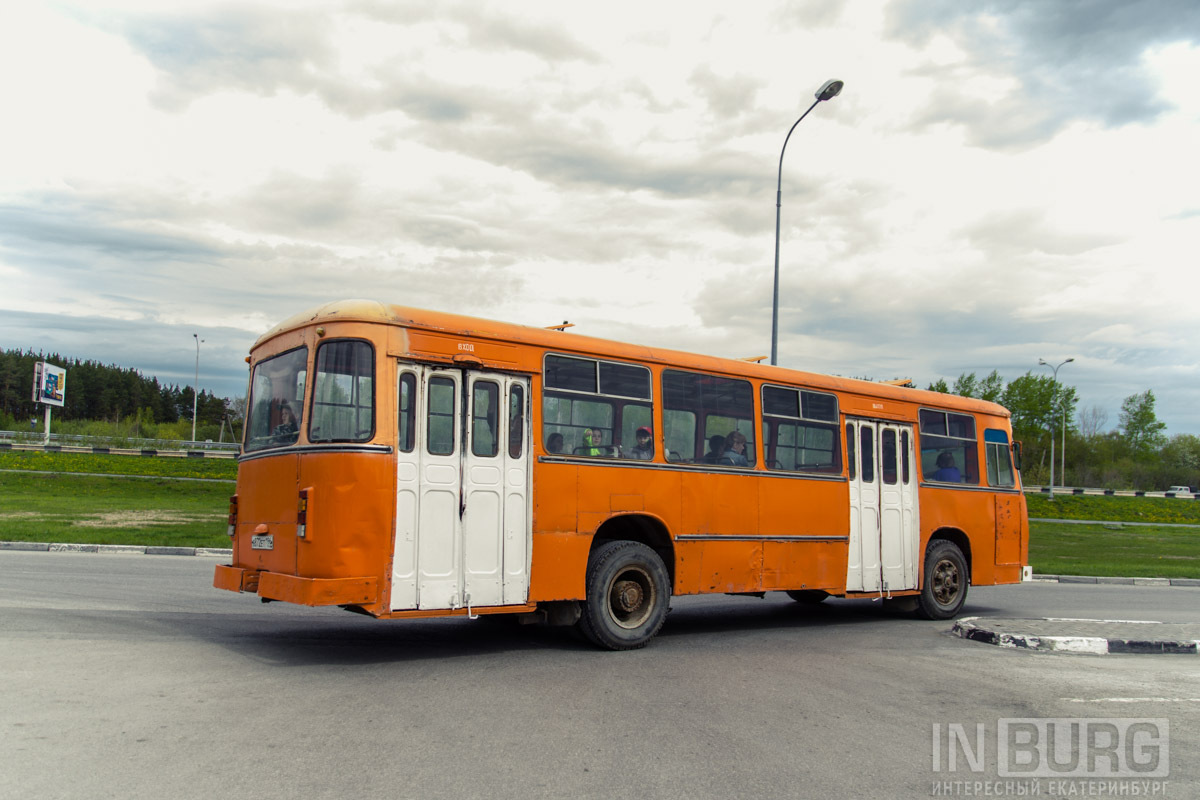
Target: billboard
{"x": 49, "y": 384}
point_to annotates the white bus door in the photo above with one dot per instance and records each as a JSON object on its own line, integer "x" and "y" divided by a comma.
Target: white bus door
{"x": 884, "y": 530}
{"x": 462, "y": 498}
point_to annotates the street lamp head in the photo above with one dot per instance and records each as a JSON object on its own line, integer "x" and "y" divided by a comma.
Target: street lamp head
{"x": 829, "y": 90}
{"x": 1043, "y": 362}
{"x": 1068, "y": 361}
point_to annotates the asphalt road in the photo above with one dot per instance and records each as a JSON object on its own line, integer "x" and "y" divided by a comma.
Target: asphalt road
{"x": 129, "y": 677}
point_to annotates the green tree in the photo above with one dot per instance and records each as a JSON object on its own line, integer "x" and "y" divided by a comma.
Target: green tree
{"x": 991, "y": 388}
{"x": 966, "y": 385}
{"x": 1139, "y": 425}
{"x": 939, "y": 386}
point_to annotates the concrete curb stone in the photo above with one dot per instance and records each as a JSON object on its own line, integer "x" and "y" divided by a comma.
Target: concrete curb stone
{"x": 1090, "y": 636}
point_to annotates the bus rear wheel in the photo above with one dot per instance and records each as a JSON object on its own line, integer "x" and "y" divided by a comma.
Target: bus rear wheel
{"x": 628, "y": 593}
{"x": 946, "y": 582}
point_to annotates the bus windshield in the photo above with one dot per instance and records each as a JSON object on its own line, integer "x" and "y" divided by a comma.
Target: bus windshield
{"x": 277, "y": 400}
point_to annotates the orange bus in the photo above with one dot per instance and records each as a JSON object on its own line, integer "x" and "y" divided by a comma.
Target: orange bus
{"x": 408, "y": 463}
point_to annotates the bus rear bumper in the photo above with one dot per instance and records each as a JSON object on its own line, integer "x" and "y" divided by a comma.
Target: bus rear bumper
{"x": 293, "y": 589}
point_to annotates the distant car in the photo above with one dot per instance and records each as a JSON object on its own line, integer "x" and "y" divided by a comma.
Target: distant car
{"x": 1180, "y": 490}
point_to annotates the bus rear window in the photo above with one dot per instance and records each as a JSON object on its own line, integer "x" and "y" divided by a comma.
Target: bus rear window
{"x": 343, "y": 408}
{"x": 277, "y": 400}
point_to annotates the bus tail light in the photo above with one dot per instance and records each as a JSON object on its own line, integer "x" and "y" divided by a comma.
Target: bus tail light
{"x": 233, "y": 503}
{"x": 302, "y": 514}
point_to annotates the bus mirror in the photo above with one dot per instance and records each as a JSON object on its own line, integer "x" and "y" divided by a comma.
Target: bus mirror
{"x": 1016, "y": 451}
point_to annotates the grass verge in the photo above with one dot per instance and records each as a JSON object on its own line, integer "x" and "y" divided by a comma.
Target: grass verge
{"x": 109, "y": 464}
{"x": 83, "y": 509}
{"x": 1172, "y": 510}
{"x": 1109, "y": 550}
{"x": 156, "y": 510}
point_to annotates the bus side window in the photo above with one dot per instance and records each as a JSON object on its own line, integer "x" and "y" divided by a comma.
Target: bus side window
{"x": 850, "y": 448}
{"x": 726, "y": 408}
{"x": 868, "y": 455}
{"x": 887, "y": 456}
{"x": 999, "y": 459}
{"x": 516, "y": 420}
{"x": 949, "y": 449}
{"x": 439, "y": 435}
{"x": 408, "y": 391}
{"x": 484, "y": 415}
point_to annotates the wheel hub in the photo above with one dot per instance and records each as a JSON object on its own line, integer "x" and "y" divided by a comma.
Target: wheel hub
{"x": 945, "y": 582}
{"x": 627, "y": 595}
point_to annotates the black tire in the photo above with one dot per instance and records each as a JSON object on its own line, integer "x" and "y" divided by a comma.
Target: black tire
{"x": 810, "y": 596}
{"x": 628, "y": 594}
{"x": 946, "y": 581}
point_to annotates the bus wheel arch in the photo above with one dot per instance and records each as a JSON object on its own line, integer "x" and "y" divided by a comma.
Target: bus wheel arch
{"x": 628, "y": 592}
{"x": 639, "y": 528}
{"x": 946, "y": 576}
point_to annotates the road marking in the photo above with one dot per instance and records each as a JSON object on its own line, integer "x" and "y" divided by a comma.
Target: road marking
{"x": 1132, "y": 699}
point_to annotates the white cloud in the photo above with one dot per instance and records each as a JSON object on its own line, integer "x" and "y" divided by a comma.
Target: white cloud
{"x": 995, "y": 184}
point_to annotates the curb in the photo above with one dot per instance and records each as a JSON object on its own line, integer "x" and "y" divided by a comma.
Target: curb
{"x": 972, "y": 628}
{"x": 123, "y": 549}
{"x": 220, "y": 552}
{"x": 1119, "y": 581}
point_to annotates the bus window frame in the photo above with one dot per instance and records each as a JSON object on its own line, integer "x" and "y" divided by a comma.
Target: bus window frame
{"x": 802, "y": 422}
{"x": 616, "y": 403}
{"x": 274, "y": 442}
{"x": 930, "y": 440}
{"x": 312, "y": 395}
{"x": 697, "y": 459}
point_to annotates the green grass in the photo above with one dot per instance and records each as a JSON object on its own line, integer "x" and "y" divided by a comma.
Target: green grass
{"x": 1109, "y": 550}
{"x": 1115, "y": 509}
{"x": 81, "y": 509}
{"x": 109, "y": 464}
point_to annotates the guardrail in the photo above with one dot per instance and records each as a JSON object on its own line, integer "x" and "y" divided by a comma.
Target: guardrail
{"x": 1109, "y": 492}
{"x": 113, "y": 443}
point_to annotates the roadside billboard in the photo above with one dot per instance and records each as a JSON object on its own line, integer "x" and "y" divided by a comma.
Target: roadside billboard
{"x": 49, "y": 384}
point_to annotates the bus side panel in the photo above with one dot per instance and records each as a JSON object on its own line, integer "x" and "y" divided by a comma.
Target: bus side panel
{"x": 1012, "y": 538}
{"x": 720, "y": 505}
{"x": 973, "y": 513}
{"x": 805, "y": 565}
{"x": 350, "y": 516}
{"x": 797, "y": 507}
{"x": 560, "y": 551}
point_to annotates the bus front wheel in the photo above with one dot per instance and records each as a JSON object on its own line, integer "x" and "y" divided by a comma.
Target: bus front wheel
{"x": 946, "y": 581}
{"x": 628, "y": 593}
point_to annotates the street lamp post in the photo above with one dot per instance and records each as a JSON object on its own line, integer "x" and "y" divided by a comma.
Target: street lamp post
{"x": 196, "y": 385}
{"x": 1044, "y": 363}
{"x": 828, "y": 91}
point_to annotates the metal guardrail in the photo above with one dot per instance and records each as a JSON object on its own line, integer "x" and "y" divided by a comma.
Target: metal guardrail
{"x": 1073, "y": 490}
{"x": 35, "y": 439}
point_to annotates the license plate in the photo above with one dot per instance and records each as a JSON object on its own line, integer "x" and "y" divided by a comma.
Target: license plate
{"x": 266, "y": 542}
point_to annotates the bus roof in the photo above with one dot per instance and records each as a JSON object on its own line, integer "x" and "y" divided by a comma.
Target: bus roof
{"x": 442, "y": 322}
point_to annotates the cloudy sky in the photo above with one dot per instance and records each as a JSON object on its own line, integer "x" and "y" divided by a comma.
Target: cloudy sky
{"x": 998, "y": 182}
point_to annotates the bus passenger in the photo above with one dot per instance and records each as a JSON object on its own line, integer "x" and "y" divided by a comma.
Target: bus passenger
{"x": 716, "y": 446}
{"x": 554, "y": 444}
{"x": 591, "y": 442}
{"x": 735, "y": 453}
{"x": 946, "y": 470}
{"x": 644, "y": 449}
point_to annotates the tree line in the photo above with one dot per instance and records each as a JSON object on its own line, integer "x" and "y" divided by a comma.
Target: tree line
{"x": 115, "y": 400}
{"x": 1136, "y": 454}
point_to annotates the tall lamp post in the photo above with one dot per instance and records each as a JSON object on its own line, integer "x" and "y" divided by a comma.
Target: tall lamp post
{"x": 1044, "y": 363}
{"x": 196, "y": 385}
{"x": 828, "y": 91}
